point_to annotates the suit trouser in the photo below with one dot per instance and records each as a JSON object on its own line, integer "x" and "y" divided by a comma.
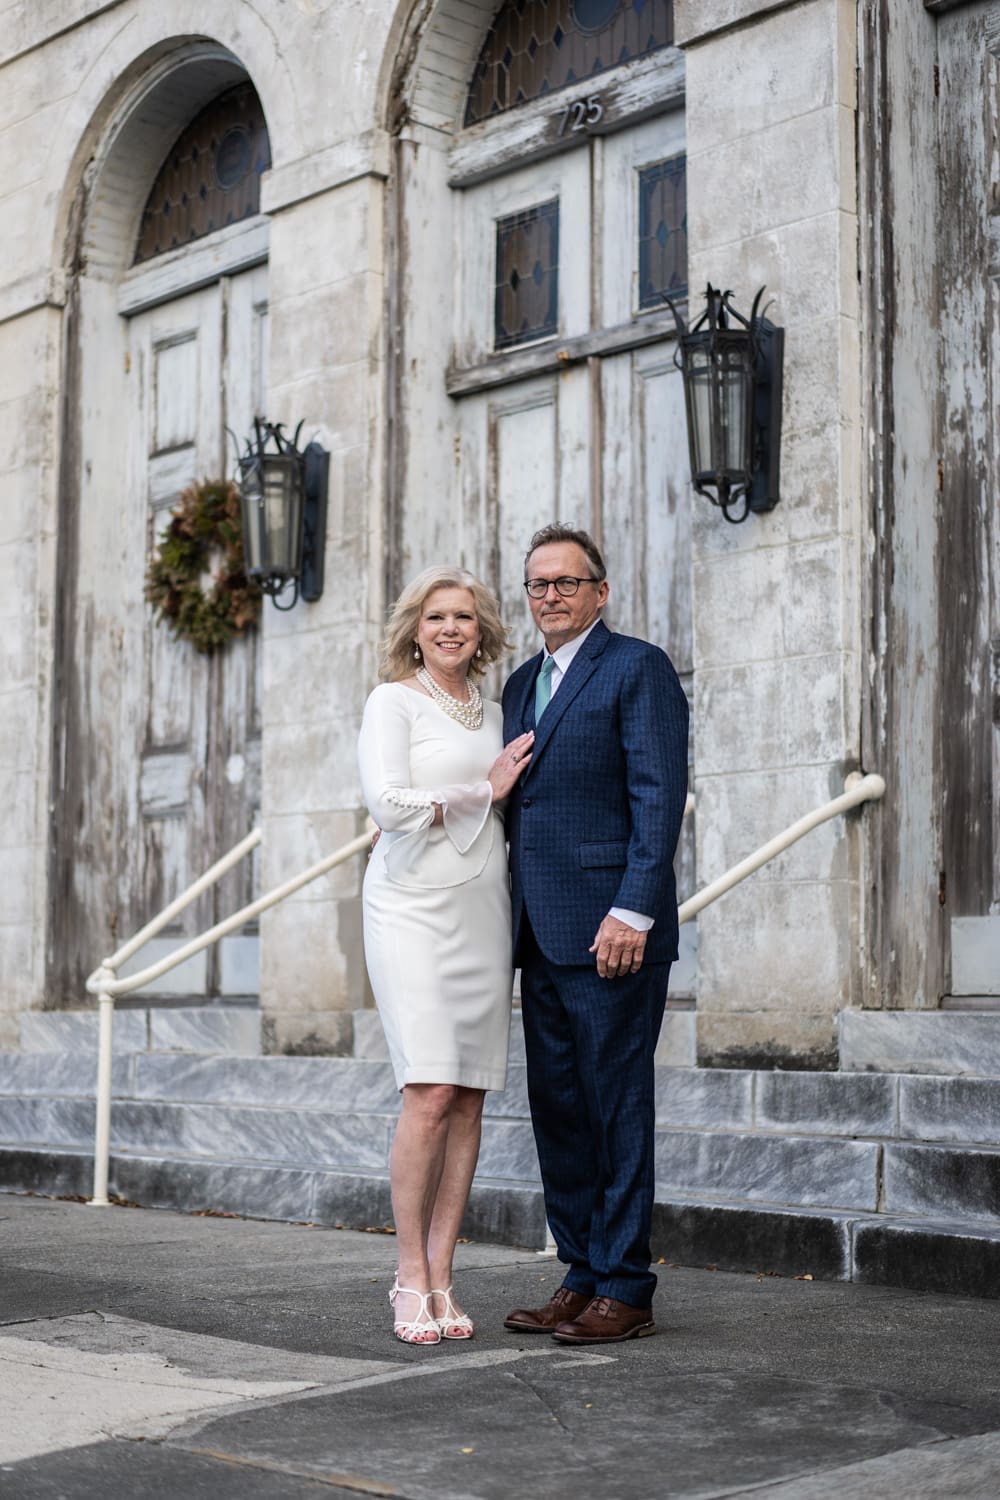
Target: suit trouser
{"x": 589, "y": 1046}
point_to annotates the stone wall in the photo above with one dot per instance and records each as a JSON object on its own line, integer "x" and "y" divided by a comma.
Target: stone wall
{"x": 782, "y": 644}
{"x": 772, "y": 201}
{"x": 72, "y": 79}
{"x": 326, "y": 357}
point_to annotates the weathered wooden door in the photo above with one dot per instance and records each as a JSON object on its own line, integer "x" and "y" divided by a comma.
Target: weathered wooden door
{"x": 191, "y": 722}
{"x": 599, "y": 443}
{"x": 969, "y": 537}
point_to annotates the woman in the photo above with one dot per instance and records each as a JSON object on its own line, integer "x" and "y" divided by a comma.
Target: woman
{"x": 437, "y": 918}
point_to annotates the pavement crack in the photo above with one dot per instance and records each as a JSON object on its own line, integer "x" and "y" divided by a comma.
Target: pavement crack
{"x": 542, "y": 1400}
{"x": 354, "y": 1484}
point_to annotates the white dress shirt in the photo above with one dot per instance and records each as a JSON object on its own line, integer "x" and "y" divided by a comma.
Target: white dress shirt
{"x": 561, "y": 660}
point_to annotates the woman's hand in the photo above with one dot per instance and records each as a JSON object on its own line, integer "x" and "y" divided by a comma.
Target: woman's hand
{"x": 509, "y": 764}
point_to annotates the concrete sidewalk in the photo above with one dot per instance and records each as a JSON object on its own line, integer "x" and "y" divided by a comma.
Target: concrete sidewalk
{"x": 173, "y": 1357}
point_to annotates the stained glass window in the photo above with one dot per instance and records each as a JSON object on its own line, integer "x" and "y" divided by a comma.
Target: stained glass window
{"x": 211, "y": 176}
{"x": 662, "y": 231}
{"x": 537, "y": 47}
{"x": 526, "y": 303}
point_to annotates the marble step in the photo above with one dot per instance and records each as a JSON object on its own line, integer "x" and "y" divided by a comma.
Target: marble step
{"x": 950, "y": 1255}
{"x": 337, "y": 1084}
{"x": 895, "y": 1176}
{"x": 228, "y": 1029}
{"x": 797, "y": 1170}
{"x": 858, "y": 1105}
{"x": 954, "y": 1256}
{"x": 303, "y": 1137}
{"x": 957, "y": 1043}
{"x": 676, "y": 1047}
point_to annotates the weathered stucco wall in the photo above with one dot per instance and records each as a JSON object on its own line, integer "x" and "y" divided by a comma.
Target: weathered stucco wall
{"x": 815, "y": 630}
{"x": 71, "y": 78}
{"x": 770, "y": 120}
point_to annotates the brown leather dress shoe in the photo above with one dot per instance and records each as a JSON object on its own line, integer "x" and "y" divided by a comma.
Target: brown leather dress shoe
{"x": 564, "y": 1305}
{"x": 605, "y": 1321}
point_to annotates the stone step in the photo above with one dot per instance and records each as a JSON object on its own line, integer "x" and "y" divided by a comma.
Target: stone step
{"x": 676, "y": 1047}
{"x": 302, "y": 1137}
{"x": 330, "y": 1083}
{"x": 798, "y": 1170}
{"x": 857, "y": 1175}
{"x": 236, "y": 1031}
{"x": 958, "y": 1043}
{"x": 230, "y": 1029}
{"x": 953, "y": 1256}
{"x": 878, "y": 1106}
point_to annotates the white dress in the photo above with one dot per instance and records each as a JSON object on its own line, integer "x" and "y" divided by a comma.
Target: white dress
{"x": 436, "y": 898}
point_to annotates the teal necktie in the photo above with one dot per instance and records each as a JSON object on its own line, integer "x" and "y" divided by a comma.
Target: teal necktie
{"x": 543, "y": 687}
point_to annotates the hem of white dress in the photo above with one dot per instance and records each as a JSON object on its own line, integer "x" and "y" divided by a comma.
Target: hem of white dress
{"x": 491, "y": 1082}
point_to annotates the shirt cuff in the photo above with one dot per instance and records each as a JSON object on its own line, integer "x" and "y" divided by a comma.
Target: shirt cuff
{"x": 634, "y": 919}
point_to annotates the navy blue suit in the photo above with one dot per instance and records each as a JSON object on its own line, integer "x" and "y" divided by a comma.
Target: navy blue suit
{"x": 593, "y": 823}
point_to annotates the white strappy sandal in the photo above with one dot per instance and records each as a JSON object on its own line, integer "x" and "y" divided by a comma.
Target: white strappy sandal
{"x": 453, "y": 1325}
{"x": 423, "y": 1329}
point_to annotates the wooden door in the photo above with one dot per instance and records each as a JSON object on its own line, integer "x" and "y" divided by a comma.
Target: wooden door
{"x": 969, "y": 536}
{"x": 191, "y": 722}
{"x": 522, "y": 449}
{"x": 601, "y": 444}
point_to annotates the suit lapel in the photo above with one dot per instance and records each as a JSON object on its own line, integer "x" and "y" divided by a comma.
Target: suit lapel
{"x": 582, "y": 668}
{"x": 526, "y": 707}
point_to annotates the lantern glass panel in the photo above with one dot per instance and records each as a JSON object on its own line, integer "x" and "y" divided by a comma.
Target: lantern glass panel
{"x": 699, "y": 391}
{"x": 252, "y": 508}
{"x": 282, "y": 515}
{"x": 731, "y": 454}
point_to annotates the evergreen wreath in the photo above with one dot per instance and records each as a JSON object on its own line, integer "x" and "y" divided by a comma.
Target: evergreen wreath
{"x": 205, "y": 610}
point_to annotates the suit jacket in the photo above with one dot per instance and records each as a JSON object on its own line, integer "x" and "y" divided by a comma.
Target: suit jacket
{"x": 594, "y": 821}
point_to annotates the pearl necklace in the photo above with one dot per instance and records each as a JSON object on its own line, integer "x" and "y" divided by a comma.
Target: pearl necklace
{"x": 469, "y": 715}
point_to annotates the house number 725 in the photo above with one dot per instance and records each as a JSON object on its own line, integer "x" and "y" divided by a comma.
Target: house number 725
{"x": 579, "y": 114}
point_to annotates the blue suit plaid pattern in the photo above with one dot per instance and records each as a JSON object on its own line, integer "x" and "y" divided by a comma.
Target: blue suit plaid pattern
{"x": 593, "y": 823}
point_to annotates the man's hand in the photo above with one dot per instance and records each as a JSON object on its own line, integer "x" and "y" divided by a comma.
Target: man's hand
{"x": 619, "y": 948}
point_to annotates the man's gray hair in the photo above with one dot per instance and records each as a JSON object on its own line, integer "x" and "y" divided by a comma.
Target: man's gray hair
{"x": 557, "y": 533}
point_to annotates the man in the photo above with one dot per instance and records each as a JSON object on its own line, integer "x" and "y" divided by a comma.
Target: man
{"x": 593, "y": 825}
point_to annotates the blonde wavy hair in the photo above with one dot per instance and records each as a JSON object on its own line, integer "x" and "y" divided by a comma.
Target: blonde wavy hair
{"x": 396, "y": 659}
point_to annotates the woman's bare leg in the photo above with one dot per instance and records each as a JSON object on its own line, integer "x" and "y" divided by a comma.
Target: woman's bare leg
{"x": 461, "y": 1155}
{"x": 417, "y": 1165}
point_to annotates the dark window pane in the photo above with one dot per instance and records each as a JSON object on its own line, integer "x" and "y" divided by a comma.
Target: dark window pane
{"x": 526, "y": 297}
{"x": 662, "y": 231}
{"x": 536, "y": 47}
{"x": 210, "y": 176}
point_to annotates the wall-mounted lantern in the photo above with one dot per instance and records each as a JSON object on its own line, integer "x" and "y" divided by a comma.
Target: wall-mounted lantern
{"x": 284, "y": 494}
{"x": 732, "y": 370}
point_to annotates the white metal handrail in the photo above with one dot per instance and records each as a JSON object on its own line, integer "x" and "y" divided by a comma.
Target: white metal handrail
{"x": 176, "y": 906}
{"x": 104, "y": 984}
{"x": 857, "y": 789}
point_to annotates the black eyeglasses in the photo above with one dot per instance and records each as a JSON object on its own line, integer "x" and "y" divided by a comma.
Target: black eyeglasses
{"x": 567, "y": 587}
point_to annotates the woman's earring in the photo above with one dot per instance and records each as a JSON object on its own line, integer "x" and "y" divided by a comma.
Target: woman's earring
{"x": 479, "y": 651}
{"x": 416, "y": 653}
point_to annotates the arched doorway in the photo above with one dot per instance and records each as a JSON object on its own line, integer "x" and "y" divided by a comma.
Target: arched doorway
{"x": 539, "y": 219}
{"x": 157, "y": 747}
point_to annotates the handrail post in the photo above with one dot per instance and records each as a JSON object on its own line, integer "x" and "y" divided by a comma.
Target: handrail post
{"x": 102, "y": 1122}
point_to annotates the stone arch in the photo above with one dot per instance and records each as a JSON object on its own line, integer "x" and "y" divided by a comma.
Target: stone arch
{"x": 428, "y": 62}
{"x": 132, "y": 153}
{"x": 123, "y": 127}
{"x": 142, "y": 87}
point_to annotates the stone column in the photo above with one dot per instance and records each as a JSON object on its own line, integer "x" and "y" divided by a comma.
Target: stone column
{"x": 326, "y": 294}
{"x": 772, "y": 200}
{"x": 29, "y": 355}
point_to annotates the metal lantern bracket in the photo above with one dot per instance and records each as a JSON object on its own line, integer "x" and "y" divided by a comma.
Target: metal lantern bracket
{"x": 718, "y": 348}
{"x": 767, "y": 397}
{"x": 316, "y": 463}
{"x": 284, "y": 513}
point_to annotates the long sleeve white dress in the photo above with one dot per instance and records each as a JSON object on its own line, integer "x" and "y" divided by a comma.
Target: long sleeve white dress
{"x": 436, "y": 898}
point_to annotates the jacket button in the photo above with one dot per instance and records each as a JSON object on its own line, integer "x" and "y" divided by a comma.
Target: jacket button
{"x": 525, "y": 801}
